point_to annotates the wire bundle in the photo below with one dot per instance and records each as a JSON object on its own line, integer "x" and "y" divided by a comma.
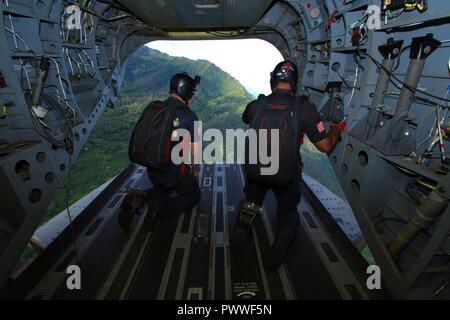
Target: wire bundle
{"x": 50, "y": 133}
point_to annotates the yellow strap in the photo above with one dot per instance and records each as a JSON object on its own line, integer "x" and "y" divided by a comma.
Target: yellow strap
{"x": 425, "y": 184}
{"x": 418, "y": 5}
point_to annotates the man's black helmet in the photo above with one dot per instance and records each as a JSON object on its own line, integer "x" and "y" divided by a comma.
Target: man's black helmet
{"x": 184, "y": 86}
{"x": 285, "y": 71}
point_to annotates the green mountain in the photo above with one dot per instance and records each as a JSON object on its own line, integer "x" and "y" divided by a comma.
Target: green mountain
{"x": 219, "y": 104}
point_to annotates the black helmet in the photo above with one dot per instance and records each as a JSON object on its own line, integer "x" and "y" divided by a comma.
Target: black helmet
{"x": 285, "y": 71}
{"x": 184, "y": 86}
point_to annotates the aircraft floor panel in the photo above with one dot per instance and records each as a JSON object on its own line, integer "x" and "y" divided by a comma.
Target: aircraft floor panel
{"x": 188, "y": 257}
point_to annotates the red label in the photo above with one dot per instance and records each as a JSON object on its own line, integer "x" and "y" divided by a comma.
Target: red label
{"x": 167, "y": 151}
{"x": 320, "y": 127}
{"x": 279, "y": 107}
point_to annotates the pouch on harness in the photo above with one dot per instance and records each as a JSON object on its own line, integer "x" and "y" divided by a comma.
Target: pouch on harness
{"x": 284, "y": 118}
{"x": 150, "y": 140}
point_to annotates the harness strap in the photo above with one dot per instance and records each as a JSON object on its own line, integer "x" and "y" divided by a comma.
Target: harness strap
{"x": 249, "y": 212}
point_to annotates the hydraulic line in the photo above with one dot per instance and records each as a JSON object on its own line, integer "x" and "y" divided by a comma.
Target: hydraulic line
{"x": 16, "y": 36}
{"x": 58, "y": 75}
{"x": 346, "y": 112}
{"x": 12, "y": 26}
{"x": 440, "y": 139}
{"x": 437, "y": 141}
{"x": 66, "y": 52}
{"x": 69, "y": 109}
{"x": 428, "y": 153}
{"x": 80, "y": 71}
{"x": 49, "y": 117}
{"x": 82, "y": 62}
{"x": 91, "y": 63}
{"x": 423, "y": 218}
{"x": 46, "y": 132}
{"x": 16, "y": 45}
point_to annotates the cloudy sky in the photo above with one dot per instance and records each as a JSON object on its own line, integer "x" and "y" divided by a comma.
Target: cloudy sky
{"x": 249, "y": 61}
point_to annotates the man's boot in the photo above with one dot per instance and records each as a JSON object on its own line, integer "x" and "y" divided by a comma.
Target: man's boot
{"x": 133, "y": 201}
{"x": 155, "y": 210}
{"x": 242, "y": 230}
{"x": 274, "y": 256}
{"x": 238, "y": 241}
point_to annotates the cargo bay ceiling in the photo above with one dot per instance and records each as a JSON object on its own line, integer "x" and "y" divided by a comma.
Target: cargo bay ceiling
{"x": 389, "y": 82}
{"x": 200, "y": 14}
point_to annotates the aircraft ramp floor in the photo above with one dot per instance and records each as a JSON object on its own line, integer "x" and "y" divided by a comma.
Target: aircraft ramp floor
{"x": 188, "y": 257}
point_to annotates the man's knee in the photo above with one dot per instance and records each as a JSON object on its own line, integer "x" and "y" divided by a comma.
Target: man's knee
{"x": 288, "y": 202}
{"x": 197, "y": 196}
{"x": 193, "y": 190}
{"x": 286, "y": 208}
{"x": 289, "y": 219}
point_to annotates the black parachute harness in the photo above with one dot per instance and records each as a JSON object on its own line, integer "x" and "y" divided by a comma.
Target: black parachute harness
{"x": 249, "y": 212}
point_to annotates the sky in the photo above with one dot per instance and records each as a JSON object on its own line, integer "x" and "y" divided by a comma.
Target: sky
{"x": 248, "y": 60}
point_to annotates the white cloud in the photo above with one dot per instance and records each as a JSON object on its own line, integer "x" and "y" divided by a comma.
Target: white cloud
{"x": 248, "y": 60}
